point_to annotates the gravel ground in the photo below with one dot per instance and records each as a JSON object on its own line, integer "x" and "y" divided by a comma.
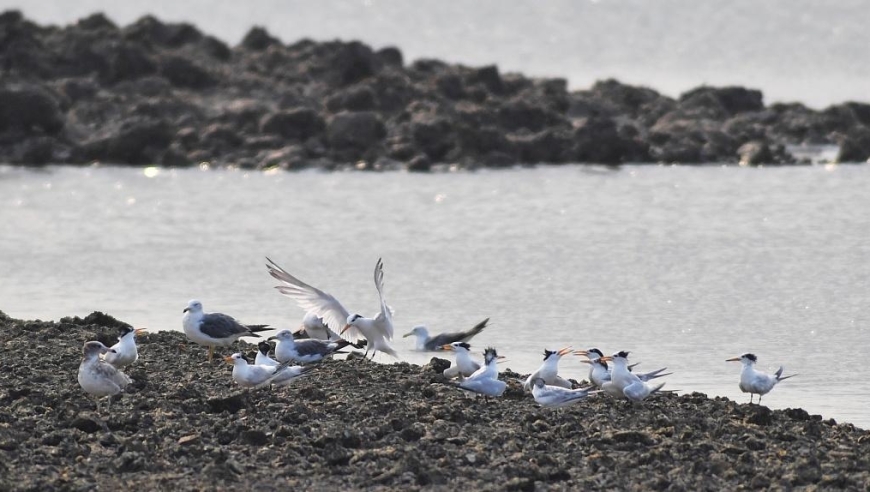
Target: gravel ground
{"x": 352, "y": 424}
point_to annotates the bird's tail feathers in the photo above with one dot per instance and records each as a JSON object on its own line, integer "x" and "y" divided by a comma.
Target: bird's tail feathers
{"x": 657, "y": 373}
{"x": 477, "y": 328}
{"x": 656, "y": 389}
{"x": 258, "y": 328}
{"x": 780, "y": 377}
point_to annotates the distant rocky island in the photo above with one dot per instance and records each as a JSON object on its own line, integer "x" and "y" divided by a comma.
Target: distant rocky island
{"x": 155, "y": 93}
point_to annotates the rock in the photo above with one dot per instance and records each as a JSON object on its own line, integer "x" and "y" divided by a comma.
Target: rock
{"x": 355, "y": 98}
{"x": 258, "y": 39}
{"x": 731, "y": 100}
{"x": 854, "y": 146}
{"x": 754, "y": 153}
{"x": 355, "y": 130}
{"x": 185, "y": 73}
{"x": 136, "y": 140}
{"x": 295, "y": 124}
{"x": 30, "y": 110}
{"x": 189, "y": 439}
{"x": 390, "y": 56}
{"x": 86, "y": 424}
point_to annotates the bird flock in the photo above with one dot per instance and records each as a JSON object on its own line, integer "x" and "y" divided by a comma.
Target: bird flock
{"x": 328, "y": 328}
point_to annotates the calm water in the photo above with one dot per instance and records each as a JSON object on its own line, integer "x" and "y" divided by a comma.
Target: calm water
{"x": 683, "y": 266}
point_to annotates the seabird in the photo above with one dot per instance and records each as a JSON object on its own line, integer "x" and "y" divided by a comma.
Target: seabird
{"x": 549, "y": 370}
{"x": 623, "y": 383}
{"x": 756, "y": 382}
{"x": 97, "y": 377}
{"x": 556, "y": 396}
{"x": 485, "y": 380}
{"x": 214, "y": 329}
{"x": 124, "y": 353}
{"x": 257, "y": 375}
{"x": 465, "y": 366}
{"x": 304, "y": 350}
{"x": 426, "y": 343}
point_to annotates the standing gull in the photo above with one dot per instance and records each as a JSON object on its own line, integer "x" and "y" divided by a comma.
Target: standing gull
{"x": 377, "y": 331}
{"x": 214, "y": 329}
{"x": 426, "y": 343}
{"x": 465, "y": 366}
{"x": 756, "y": 382}
{"x": 97, "y": 377}
{"x": 306, "y": 349}
{"x": 124, "y": 353}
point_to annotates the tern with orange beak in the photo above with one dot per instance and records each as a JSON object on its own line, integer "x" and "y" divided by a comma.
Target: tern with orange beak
{"x": 549, "y": 370}
{"x": 600, "y": 372}
{"x": 124, "y": 353}
{"x": 465, "y": 366}
{"x": 378, "y": 331}
{"x": 756, "y": 382}
{"x": 485, "y": 380}
{"x": 625, "y": 384}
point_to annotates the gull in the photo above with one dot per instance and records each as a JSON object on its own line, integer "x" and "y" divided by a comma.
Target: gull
{"x": 465, "y": 366}
{"x": 257, "y": 375}
{"x": 214, "y": 329}
{"x": 426, "y": 343}
{"x": 377, "y": 331}
{"x": 97, "y": 377}
{"x": 557, "y": 396}
{"x": 306, "y": 349}
{"x": 756, "y": 382}
{"x": 599, "y": 371}
{"x": 485, "y": 380}
{"x": 549, "y": 370}
{"x": 124, "y": 353}
{"x": 313, "y": 326}
{"x": 625, "y": 384}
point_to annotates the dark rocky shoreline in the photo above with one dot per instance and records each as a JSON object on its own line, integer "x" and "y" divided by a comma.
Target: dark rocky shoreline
{"x": 353, "y": 424}
{"x": 167, "y": 94}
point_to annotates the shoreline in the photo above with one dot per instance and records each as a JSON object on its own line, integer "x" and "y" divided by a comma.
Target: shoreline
{"x": 167, "y": 94}
{"x": 354, "y": 424}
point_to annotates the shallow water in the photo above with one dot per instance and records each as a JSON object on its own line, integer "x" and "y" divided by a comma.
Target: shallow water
{"x": 683, "y": 266}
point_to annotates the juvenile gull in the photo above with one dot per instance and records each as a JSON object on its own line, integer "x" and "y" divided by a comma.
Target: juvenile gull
{"x": 465, "y": 366}
{"x": 257, "y": 375}
{"x": 437, "y": 342}
{"x": 756, "y": 382}
{"x": 97, "y": 377}
{"x": 306, "y": 349}
{"x": 556, "y": 396}
{"x": 485, "y": 380}
{"x": 124, "y": 353}
{"x": 214, "y": 329}
{"x": 377, "y": 331}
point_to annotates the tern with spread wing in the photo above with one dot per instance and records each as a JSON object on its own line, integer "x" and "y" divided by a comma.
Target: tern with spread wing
{"x": 378, "y": 331}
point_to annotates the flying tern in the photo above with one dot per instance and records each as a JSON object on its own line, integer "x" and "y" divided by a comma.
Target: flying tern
{"x": 465, "y": 366}
{"x": 549, "y": 370}
{"x": 427, "y": 343}
{"x": 98, "y": 378}
{"x": 124, "y": 353}
{"x": 378, "y": 331}
{"x": 214, "y": 329}
{"x": 756, "y": 382}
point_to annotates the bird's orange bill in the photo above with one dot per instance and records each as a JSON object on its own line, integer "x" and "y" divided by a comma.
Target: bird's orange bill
{"x": 587, "y": 361}
{"x": 346, "y": 327}
{"x": 581, "y": 352}
{"x": 229, "y": 359}
{"x": 733, "y": 359}
{"x": 606, "y": 358}
{"x": 140, "y": 330}
{"x": 447, "y": 347}
{"x": 566, "y": 350}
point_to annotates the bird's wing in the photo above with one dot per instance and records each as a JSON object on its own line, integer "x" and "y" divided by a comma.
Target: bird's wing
{"x": 108, "y": 371}
{"x": 312, "y": 347}
{"x": 311, "y": 298}
{"x": 220, "y": 326}
{"x": 653, "y": 374}
{"x": 384, "y": 319}
{"x": 458, "y": 336}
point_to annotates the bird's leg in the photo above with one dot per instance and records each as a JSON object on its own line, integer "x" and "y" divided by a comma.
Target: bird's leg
{"x": 367, "y": 352}
{"x": 210, "y": 353}
{"x": 750, "y": 398}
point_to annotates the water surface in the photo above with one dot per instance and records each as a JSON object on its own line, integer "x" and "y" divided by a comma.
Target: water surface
{"x": 683, "y": 266}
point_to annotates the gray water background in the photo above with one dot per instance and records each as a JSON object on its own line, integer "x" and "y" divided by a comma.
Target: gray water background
{"x": 683, "y": 266}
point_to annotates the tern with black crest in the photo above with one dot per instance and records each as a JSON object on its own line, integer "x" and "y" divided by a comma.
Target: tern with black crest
{"x": 124, "y": 353}
{"x": 465, "y": 366}
{"x": 549, "y": 370}
{"x": 756, "y": 382}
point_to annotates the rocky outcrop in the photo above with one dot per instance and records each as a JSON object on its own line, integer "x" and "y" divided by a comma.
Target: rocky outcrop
{"x": 166, "y": 93}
